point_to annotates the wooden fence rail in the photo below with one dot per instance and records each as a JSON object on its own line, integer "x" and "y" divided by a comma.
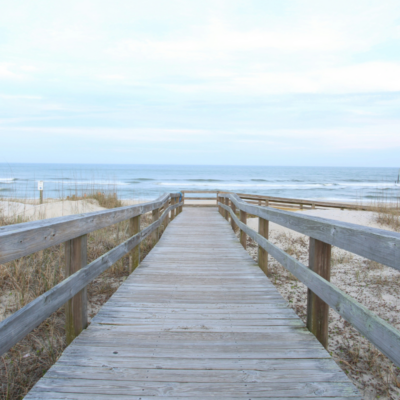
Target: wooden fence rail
{"x": 18, "y": 325}
{"x": 376, "y": 244}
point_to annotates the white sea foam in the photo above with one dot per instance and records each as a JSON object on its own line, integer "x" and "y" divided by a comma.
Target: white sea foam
{"x": 88, "y": 183}
{"x": 7, "y": 180}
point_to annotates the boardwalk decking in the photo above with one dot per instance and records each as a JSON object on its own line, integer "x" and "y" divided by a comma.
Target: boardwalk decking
{"x": 197, "y": 319}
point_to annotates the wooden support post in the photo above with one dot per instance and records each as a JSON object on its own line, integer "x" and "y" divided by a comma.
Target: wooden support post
{"x": 134, "y": 255}
{"x": 233, "y": 224}
{"x": 156, "y": 233}
{"x": 172, "y": 211}
{"x": 183, "y": 199}
{"x": 267, "y": 203}
{"x": 313, "y": 206}
{"x": 243, "y": 236}
{"x": 226, "y": 211}
{"x": 263, "y": 229}
{"x": 166, "y": 219}
{"x": 219, "y": 207}
{"x": 75, "y": 308}
{"x": 317, "y": 310}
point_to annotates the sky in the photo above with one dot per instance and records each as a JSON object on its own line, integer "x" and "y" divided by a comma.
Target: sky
{"x": 238, "y": 82}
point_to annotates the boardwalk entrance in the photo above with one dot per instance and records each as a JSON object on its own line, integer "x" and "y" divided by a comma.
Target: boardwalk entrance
{"x": 197, "y": 319}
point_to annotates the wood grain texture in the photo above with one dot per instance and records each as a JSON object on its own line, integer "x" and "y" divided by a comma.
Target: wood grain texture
{"x": 134, "y": 255}
{"x": 18, "y": 325}
{"x": 263, "y": 230}
{"x": 23, "y": 239}
{"x": 198, "y": 319}
{"x": 75, "y": 308}
{"x": 384, "y": 336}
{"x": 317, "y": 309}
{"x": 375, "y": 244}
{"x": 243, "y": 236}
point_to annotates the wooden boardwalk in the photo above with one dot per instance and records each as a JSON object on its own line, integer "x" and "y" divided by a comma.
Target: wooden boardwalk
{"x": 197, "y": 319}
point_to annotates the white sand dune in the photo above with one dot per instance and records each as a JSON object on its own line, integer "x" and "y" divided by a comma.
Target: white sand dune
{"x": 48, "y": 210}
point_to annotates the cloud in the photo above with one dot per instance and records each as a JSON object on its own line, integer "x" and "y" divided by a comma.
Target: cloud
{"x": 6, "y": 73}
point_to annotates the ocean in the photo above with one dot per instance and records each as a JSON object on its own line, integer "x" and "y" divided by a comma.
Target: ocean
{"x": 149, "y": 181}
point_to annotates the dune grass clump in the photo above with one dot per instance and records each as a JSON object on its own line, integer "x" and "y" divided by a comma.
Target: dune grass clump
{"x": 104, "y": 199}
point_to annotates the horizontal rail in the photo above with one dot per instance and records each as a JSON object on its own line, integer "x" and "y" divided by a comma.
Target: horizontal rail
{"x": 22, "y": 239}
{"x": 199, "y": 191}
{"x": 376, "y": 330}
{"x": 375, "y": 244}
{"x": 200, "y": 198}
{"x": 18, "y": 325}
{"x": 302, "y": 202}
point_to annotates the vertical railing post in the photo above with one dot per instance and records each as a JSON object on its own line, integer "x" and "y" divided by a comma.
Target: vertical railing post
{"x": 233, "y": 224}
{"x": 173, "y": 211}
{"x": 263, "y": 228}
{"x": 183, "y": 199}
{"x": 156, "y": 234}
{"x": 318, "y": 310}
{"x": 166, "y": 219}
{"x": 75, "y": 308}
{"x": 243, "y": 236}
{"x": 219, "y": 200}
{"x": 226, "y": 211}
{"x": 134, "y": 255}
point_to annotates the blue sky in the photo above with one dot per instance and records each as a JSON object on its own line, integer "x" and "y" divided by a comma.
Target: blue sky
{"x": 201, "y": 82}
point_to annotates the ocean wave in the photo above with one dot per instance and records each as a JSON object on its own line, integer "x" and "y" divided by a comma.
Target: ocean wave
{"x": 7, "y": 180}
{"x": 89, "y": 183}
{"x": 144, "y": 179}
{"x": 249, "y": 185}
{"x": 204, "y": 180}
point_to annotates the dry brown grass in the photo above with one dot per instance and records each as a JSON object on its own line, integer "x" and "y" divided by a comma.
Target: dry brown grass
{"x": 23, "y": 280}
{"x": 105, "y": 199}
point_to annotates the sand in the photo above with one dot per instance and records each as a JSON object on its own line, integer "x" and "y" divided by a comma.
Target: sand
{"x": 29, "y": 212}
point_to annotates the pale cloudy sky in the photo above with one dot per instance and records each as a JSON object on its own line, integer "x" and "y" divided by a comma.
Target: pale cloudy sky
{"x": 262, "y": 82}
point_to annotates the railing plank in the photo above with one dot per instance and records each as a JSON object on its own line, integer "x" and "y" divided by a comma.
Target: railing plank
{"x": 375, "y": 329}
{"x": 18, "y": 325}
{"x": 375, "y": 244}
{"x": 23, "y": 239}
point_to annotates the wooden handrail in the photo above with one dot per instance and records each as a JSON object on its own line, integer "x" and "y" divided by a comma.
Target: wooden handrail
{"x": 385, "y": 337}
{"x": 22, "y": 239}
{"x": 301, "y": 202}
{"x": 18, "y": 325}
{"x": 375, "y": 244}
